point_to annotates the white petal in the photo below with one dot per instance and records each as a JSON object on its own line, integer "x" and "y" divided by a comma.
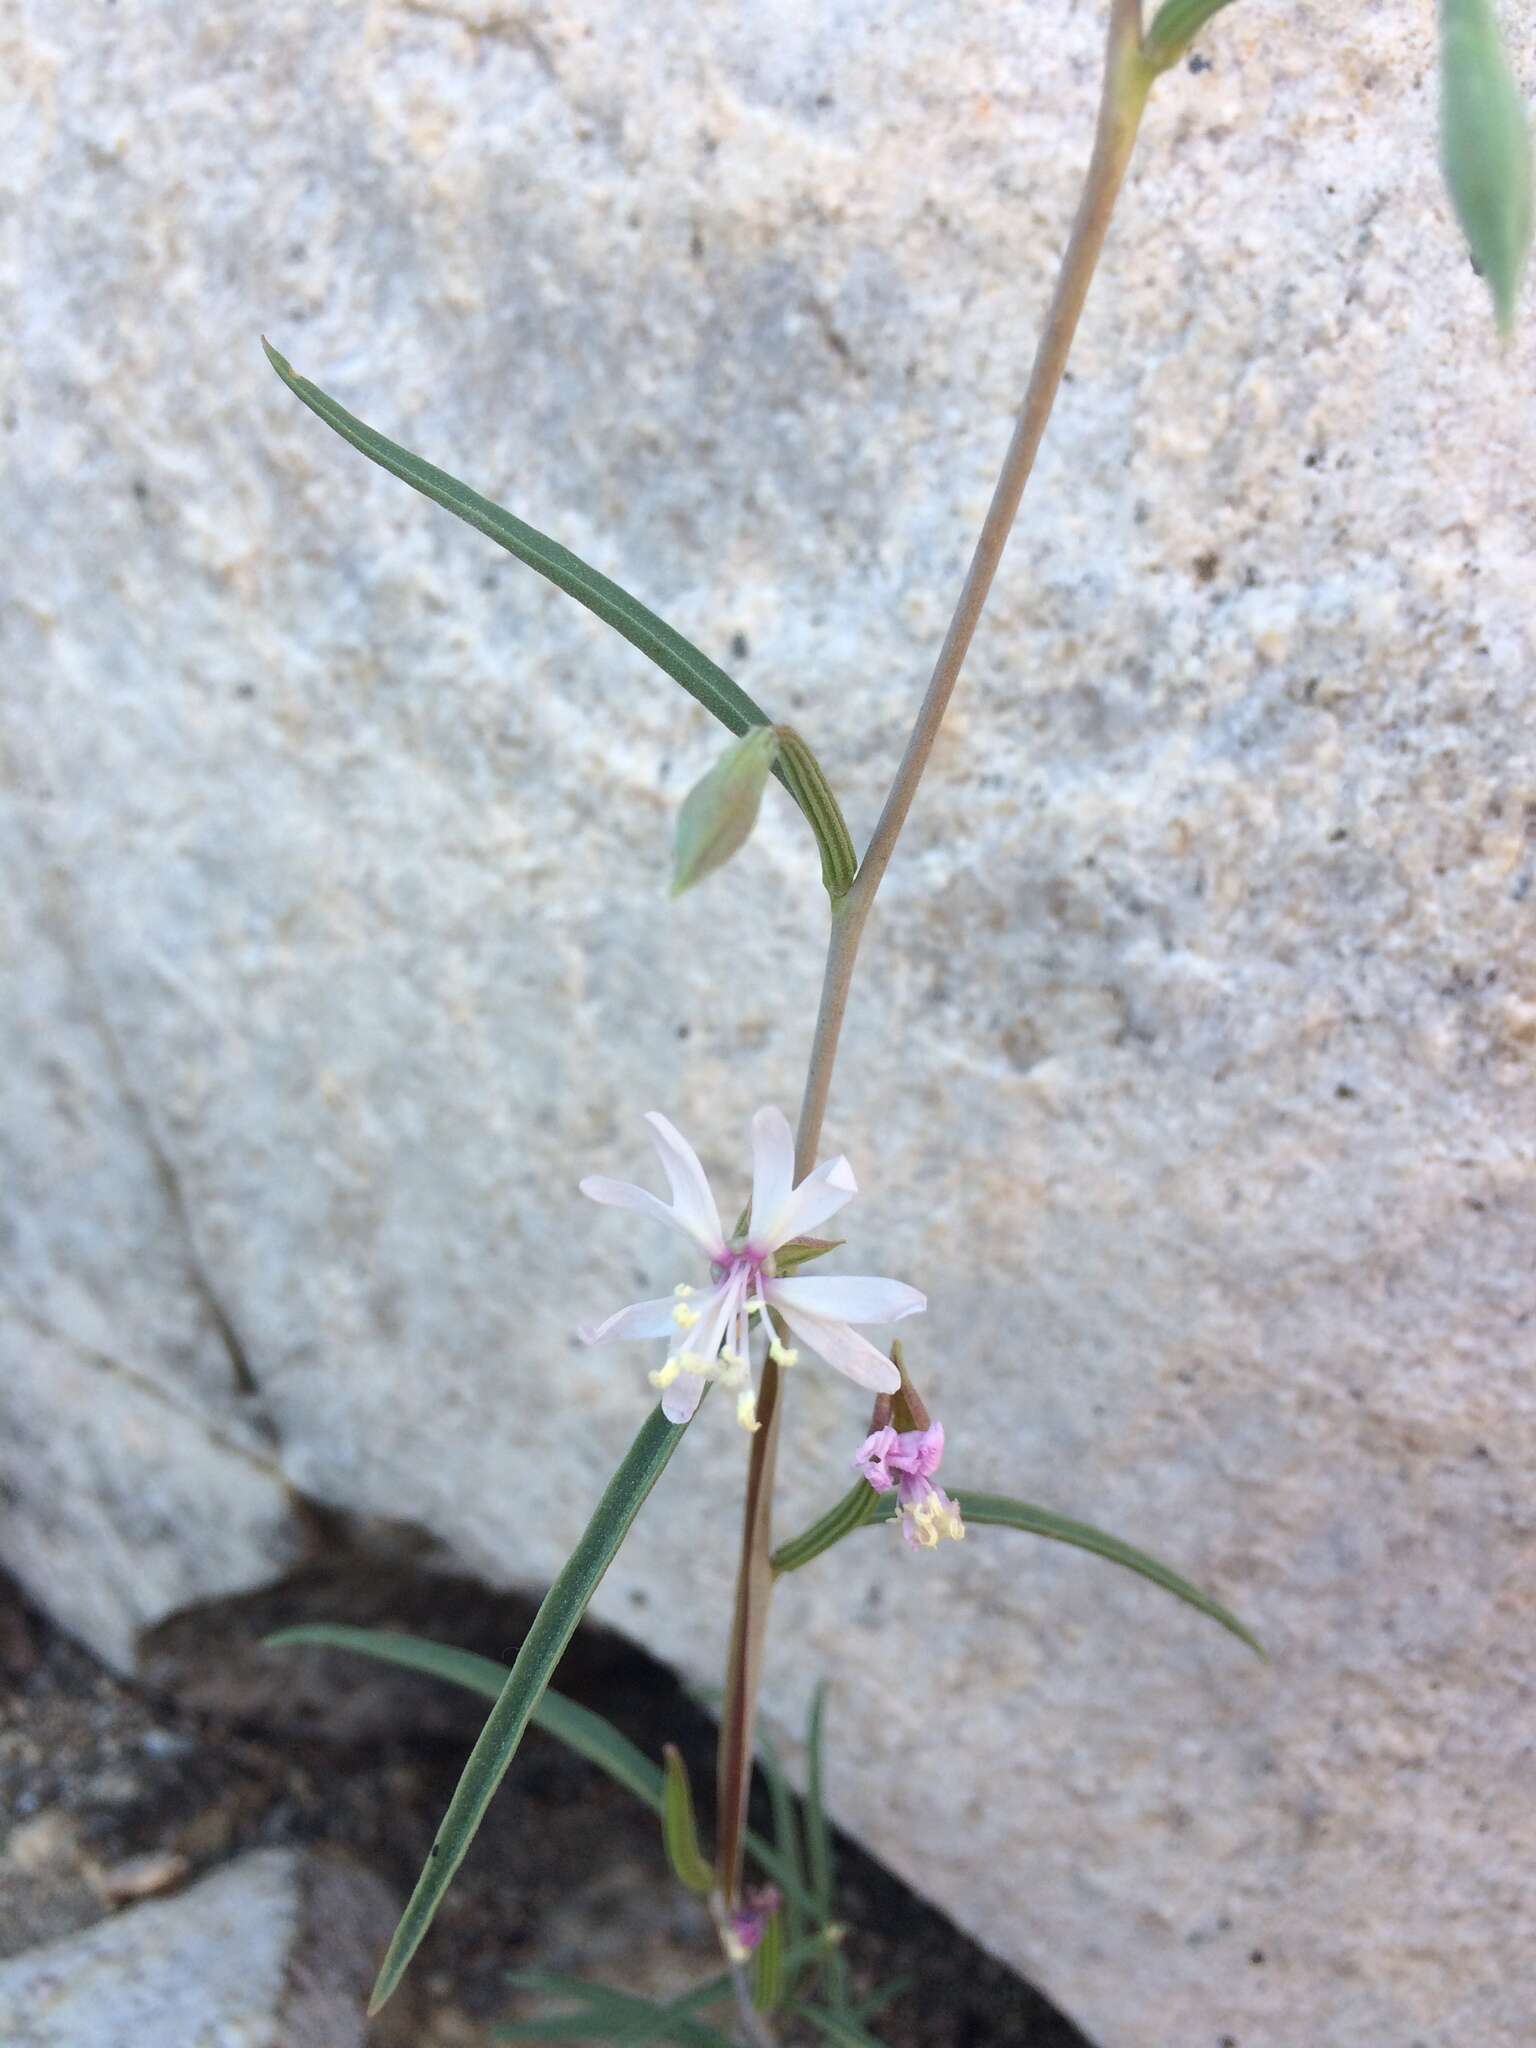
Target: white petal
{"x": 622, "y": 1194}
{"x": 692, "y": 1202}
{"x": 682, "y": 1397}
{"x": 773, "y": 1174}
{"x": 820, "y": 1195}
{"x": 852, "y": 1298}
{"x": 640, "y": 1319}
{"x": 843, "y": 1348}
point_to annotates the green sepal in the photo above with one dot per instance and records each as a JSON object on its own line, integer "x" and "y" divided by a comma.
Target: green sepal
{"x": 789, "y": 1258}
{"x": 679, "y": 1832}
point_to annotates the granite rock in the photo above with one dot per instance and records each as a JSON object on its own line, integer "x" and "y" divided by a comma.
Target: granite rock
{"x": 1190, "y": 1067}
{"x": 273, "y": 1951}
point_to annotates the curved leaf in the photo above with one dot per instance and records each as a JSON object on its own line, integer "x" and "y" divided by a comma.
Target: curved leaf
{"x": 704, "y": 680}
{"x": 1002, "y": 1512}
{"x": 543, "y": 1646}
{"x": 581, "y": 1730}
{"x": 588, "y": 1734}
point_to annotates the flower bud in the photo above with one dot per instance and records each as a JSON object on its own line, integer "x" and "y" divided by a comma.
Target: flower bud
{"x": 1485, "y": 148}
{"x": 720, "y": 810}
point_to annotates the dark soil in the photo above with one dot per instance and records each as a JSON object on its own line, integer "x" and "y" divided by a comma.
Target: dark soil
{"x": 118, "y": 1791}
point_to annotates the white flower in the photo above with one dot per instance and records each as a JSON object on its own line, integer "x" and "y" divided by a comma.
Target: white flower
{"x": 708, "y": 1330}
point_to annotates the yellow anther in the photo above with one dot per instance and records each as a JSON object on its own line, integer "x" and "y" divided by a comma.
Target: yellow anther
{"x": 746, "y": 1409}
{"x": 783, "y": 1354}
{"x": 664, "y": 1375}
{"x": 684, "y": 1316}
{"x": 682, "y": 1290}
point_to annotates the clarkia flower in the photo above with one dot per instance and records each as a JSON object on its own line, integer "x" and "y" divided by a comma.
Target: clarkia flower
{"x": 907, "y": 1461}
{"x": 708, "y": 1329}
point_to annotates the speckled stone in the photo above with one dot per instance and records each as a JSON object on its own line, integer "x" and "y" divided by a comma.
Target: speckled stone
{"x": 1190, "y": 1066}
{"x": 273, "y": 1951}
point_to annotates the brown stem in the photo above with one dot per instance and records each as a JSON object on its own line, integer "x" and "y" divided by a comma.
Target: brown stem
{"x": 1127, "y": 79}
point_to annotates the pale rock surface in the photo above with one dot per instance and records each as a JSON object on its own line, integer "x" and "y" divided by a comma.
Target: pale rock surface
{"x": 1190, "y": 1069}
{"x": 273, "y": 1951}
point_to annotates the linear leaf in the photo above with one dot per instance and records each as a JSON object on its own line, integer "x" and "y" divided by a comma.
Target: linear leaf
{"x": 553, "y": 1626}
{"x": 837, "y": 2027}
{"x": 768, "y": 1966}
{"x": 802, "y": 775}
{"x": 999, "y": 1510}
{"x": 786, "y": 1838}
{"x": 576, "y": 1726}
{"x": 818, "y": 1846}
{"x": 1174, "y": 27}
{"x": 857, "y": 1506}
{"x": 604, "y": 2014}
{"x": 704, "y": 680}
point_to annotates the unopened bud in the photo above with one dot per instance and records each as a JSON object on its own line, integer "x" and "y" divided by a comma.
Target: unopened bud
{"x": 720, "y": 810}
{"x": 1485, "y": 148}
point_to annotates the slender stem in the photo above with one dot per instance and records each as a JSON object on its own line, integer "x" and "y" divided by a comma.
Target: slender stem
{"x": 1127, "y": 80}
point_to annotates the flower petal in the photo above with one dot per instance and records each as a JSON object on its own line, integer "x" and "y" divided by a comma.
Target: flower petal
{"x": 820, "y": 1195}
{"x": 852, "y": 1298}
{"x": 682, "y": 1397}
{"x": 692, "y": 1203}
{"x": 640, "y": 1319}
{"x": 843, "y": 1348}
{"x": 773, "y": 1174}
{"x": 623, "y": 1194}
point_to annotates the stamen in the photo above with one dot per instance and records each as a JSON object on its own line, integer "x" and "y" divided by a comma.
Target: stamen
{"x": 685, "y": 1317}
{"x": 746, "y": 1409}
{"x": 664, "y": 1375}
{"x": 683, "y": 1291}
{"x": 783, "y": 1354}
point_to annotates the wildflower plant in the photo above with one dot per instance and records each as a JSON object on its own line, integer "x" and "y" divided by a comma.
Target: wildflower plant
{"x": 745, "y": 1314}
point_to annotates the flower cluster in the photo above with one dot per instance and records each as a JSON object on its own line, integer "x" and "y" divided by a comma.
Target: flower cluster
{"x": 708, "y": 1330}
{"x": 907, "y": 1461}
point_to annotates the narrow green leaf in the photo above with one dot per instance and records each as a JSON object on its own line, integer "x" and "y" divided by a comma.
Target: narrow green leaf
{"x": 860, "y": 1504}
{"x": 819, "y": 1861}
{"x": 837, "y": 2027}
{"x": 543, "y": 1646}
{"x": 588, "y": 1734}
{"x": 1174, "y": 27}
{"x": 604, "y": 2015}
{"x": 786, "y": 1840}
{"x": 704, "y": 680}
{"x": 997, "y": 1509}
{"x": 1485, "y": 148}
{"x": 679, "y": 1830}
{"x": 576, "y": 1726}
{"x": 884, "y": 1995}
{"x": 803, "y": 777}
{"x": 768, "y": 1966}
